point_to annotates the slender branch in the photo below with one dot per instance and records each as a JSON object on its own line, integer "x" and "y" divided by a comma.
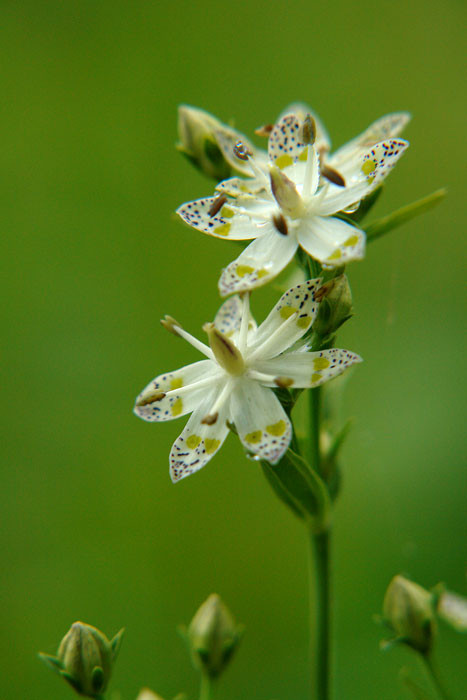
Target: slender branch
{"x": 206, "y": 691}
{"x": 434, "y": 675}
{"x": 387, "y": 223}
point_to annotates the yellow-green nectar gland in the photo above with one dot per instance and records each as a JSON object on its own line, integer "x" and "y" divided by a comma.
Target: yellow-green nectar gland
{"x": 226, "y": 353}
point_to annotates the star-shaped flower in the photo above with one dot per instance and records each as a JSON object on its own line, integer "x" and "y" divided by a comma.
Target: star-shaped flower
{"x": 235, "y": 383}
{"x": 285, "y": 206}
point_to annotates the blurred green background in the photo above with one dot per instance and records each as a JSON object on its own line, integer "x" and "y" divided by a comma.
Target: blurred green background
{"x": 92, "y": 527}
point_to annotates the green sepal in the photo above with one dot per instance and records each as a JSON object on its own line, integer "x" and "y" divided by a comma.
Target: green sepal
{"x": 97, "y": 678}
{"x": 400, "y": 216}
{"x": 417, "y": 692}
{"x": 51, "y": 661}
{"x": 71, "y": 680}
{"x": 116, "y": 643}
{"x": 300, "y": 488}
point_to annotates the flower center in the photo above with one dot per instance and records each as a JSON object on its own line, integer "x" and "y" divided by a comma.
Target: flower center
{"x": 226, "y": 353}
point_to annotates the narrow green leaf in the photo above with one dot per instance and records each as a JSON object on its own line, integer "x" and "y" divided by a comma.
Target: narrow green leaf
{"x": 387, "y": 223}
{"x": 300, "y": 488}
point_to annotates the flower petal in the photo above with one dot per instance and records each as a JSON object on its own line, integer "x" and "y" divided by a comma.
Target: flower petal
{"x": 299, "y": 300}
{"x": 331, "y": 241}
{"x": 307, "y": 369}
{"x": 227, "y": 138}
{"x": 340, "y": 198}
{"x": 261, "y": 422}
{"x": 285, "y": 145}
{"x": 387, "y": 127}
{"x": 259, "y": 262}
{"x": 244, "y": 188}
{"x": 229, "y": 317}
{"x": 228, "y": 222}
{"x": 373, "y": 164}
{"x": 199, "y": 441}
{"x": 175, "y": 394}
{"x": 300, "y": 110}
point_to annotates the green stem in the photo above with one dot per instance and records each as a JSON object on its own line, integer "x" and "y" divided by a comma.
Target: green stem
{"x": 206, "y": 691}
{"x": 320, "y": 613}
{"x": 314, "y": 405}
{"x": 434, "y": 675}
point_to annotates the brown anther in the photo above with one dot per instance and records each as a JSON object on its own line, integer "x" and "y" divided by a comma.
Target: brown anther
{"x": 264, "y": 130}
{"x": 280, "y": 224}
{"x": 332, "y": 175}
{"x": 170, "y": 324}
{"x": 217, "y": 205}
{"x": 210, "y": 419}
{"x": 309, "y": 130}
{"x": 241, "y": 151}
{"x": 152, "y": 398}
{"x": 324, "y": 290}
{"x": 283, "y": 382}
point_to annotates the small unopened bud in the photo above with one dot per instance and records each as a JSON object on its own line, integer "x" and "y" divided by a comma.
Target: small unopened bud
{"x": 213, "y": 636}
{"x": 170, "y": 324}
{"x": 146, "y": 694}
{"x": 285, "y": 193}
{"x": 335, "y": 307}
{"x": 85, "y": 659}
{"x": 197, "y": 133}
{"x": 226, "y": 353}
{"x": 409, "y": 610}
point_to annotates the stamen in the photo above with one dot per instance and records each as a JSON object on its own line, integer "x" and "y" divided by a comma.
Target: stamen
{"x": 332, "y": 175}
{"x": 195, "y": 342}
{"x": 152, "y": 398}
{"x": 210, "y": 419}
{"x": 283, "y": 382}
{"x": 171, "y": 325}
{"x": 220, "y": 401}
{"x": 280, "y": 224}
{"x": 264, "y": 130}
{"x": 242, "y": 336}
{"x": 242, "y": 151}
{"x": 217, "y": 205}
{"x": 283, "y": 329}
{"x": 309, "y": 130}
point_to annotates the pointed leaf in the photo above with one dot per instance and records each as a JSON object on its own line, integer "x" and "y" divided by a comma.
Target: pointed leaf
{"x": 397, "y": 218}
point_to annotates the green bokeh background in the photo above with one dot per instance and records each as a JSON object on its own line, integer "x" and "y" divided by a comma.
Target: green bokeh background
{"x": 92, "y": 527}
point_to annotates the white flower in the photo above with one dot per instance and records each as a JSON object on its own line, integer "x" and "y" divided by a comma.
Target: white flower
{"x": 286, "y": 207}
{"x": 235, "y": 383}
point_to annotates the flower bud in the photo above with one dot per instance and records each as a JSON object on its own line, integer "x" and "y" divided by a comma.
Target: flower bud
{"x": 335, "y": 307}
{"x": 85, "y": 659}
{"x": 409, "y": 610}
{"x": 146, "y": 694}
{"x": 197, "y": 133}
{"x": 213, "y": 636}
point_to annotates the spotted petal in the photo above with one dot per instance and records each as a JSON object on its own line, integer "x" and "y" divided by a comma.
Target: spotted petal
{"x": 268, "y": 340}
{"x": 260, "y": 262}
{"x": 300, "y": 110}
{"x": 227, "y": 222}
{"x": 331, "y": 241}
{"x": 261, "y": 422}
{"x": 373, "y": 164}
{"x": 387, "y": 127}
{"x": 175, "y": 394}
{"x": 199, "y": 441}
{"x": 229, "y": 317}
{"x": 245, "y": 188}
{"x": 307, "y": 369}
{"x": 285, "y": 145}
{"x": 227, "y": 139}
